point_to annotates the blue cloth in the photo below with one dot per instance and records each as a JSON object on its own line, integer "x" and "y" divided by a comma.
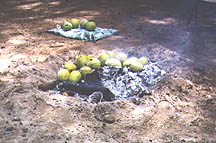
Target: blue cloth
{"x": 83, "y": 34}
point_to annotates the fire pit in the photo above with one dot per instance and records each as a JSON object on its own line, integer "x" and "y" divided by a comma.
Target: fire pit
{"x": 109, "y": 83}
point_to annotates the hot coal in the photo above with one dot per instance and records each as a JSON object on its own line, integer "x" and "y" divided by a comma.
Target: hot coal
{"x": 113, "y": 83}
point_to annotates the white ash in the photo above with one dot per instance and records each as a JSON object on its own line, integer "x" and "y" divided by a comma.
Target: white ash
{"x": 123, "y": 83}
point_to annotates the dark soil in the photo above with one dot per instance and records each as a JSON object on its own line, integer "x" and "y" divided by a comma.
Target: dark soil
{"x": 171, "y": 33}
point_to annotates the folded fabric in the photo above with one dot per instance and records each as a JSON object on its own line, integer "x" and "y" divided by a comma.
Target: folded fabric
{"x": 82, "y": 34}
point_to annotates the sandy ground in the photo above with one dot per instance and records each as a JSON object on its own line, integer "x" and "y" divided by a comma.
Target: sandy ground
{"x": 181, "y": 108}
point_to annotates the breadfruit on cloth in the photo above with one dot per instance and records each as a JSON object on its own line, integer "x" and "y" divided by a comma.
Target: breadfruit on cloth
{"x": 83, "y": 34}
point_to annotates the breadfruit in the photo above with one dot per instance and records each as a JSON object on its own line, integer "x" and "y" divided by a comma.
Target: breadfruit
{"x": 75, "y": 76}
{"x": 90, "y": 26}
{"x": 70, "y": 66}
{"x": 113, "y": 62}
{"x": 63, "y": 74}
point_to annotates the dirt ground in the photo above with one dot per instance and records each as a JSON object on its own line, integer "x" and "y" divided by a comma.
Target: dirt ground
{"x": 181, "y": 108}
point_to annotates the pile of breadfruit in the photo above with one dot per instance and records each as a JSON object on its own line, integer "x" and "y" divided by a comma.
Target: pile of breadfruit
{"x": 76, "y": 23}
{"x": 86, "y": 64}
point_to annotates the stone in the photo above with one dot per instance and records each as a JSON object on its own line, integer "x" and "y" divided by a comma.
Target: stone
{"x": 109, "y": 118}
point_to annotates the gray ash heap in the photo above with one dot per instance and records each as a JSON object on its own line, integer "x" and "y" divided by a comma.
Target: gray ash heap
{"x": 116, "y": 77}
{"x": 124, "y": 84}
